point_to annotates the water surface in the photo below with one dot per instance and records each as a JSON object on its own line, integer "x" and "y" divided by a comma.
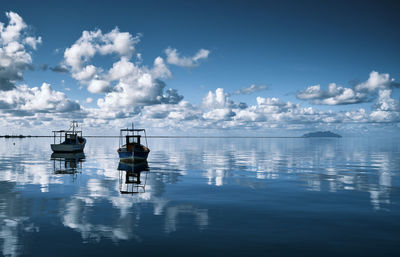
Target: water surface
{"x": 214, "y": 197}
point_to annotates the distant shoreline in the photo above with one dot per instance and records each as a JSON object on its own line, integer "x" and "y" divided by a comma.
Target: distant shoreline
{"x": 108, "y": 136}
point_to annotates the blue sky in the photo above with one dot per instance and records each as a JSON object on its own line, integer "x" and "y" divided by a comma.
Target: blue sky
{"x": 234, "y": 66}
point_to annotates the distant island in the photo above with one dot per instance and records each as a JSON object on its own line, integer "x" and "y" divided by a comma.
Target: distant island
{"x": 15, "y": 136}
{"x": 321, "y": 134}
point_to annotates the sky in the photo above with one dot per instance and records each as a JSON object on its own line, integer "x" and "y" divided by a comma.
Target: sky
{"x": 257, "y": 68}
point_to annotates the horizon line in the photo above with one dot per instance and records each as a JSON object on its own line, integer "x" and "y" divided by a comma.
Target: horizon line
{"x": 162, "y": 136}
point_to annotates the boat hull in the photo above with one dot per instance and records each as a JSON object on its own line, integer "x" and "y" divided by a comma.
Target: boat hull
{"x": 68, "y": 148}
{"x": 132, "y": 156}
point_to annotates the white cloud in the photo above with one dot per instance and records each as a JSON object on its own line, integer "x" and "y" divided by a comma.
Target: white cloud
{"x": 375, "y": 81}
{"x": 201, "y": 54}
{"x": 78, "y": 56}
{"x": 219, "y": 99}
{"x": 250, "y": 89}
{"x": 92, "y": 42}
{"x": 160, "y": 70}
{"x": 12, "y": 32}
{"x": 43, "y": 99}
{"x": 33, "y": 42}
{"x": 311, "y": 92}
{"x": 87, "y": 73}
{"x": 219, "y": 114}
{"x": 127, "y": 85}
{"x": 98, "y": 86}
{"x": 338, "y": 95}
{"x": 179, "y": 112}
{"x": 173, "y": 57}
{"x": 385, "y": 102}
{"x": 122, "y": 69}
{"x": 139, "y": 89}
{"x": 386, "y": 108}
{"x": 14, "y": 57}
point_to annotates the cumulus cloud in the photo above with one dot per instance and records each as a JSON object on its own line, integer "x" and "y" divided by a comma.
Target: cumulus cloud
{"x": 339, "y": 95}
{"x": 219, "y": 114}
{"x": 37, "y": 99}
{"x": 216, "y": 100}
{"x": 335, "y": 95}
{"x": 177, "y": 113}
{"x": 173, "y": 57}
{"x": 34, "y": 110}
{"x": 14, "y": 55}
{"x": 386, "y": 108}
{"x": 127, "y": 86}
{"x": 92, "y": 42}
{"x": 217, "y": 106}
{"x": 32, "y": 41}
{"x": 376, "y": 81}
{"x": 250, "y": 89}
{"x": 142, "y": 92}
{"x": 78, "y": 56}
{"x": 160, "y": 70}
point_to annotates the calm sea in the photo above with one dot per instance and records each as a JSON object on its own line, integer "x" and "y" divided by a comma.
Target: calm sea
{"x": 202, "y": 197}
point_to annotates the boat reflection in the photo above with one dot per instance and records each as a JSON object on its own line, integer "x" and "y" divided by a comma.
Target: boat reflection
{"x": 67, "y": 163}
{"x": 130, "y": 181}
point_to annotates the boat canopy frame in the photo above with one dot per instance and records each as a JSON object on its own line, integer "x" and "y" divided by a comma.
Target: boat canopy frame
{"x": 64, "y": 133}
{"x": 131, "y": 133}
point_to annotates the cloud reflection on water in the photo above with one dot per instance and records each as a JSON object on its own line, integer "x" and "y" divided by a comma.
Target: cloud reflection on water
{"x": 93, "y": 205}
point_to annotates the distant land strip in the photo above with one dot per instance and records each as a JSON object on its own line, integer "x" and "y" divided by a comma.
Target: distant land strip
{"x": 110, "y": 136}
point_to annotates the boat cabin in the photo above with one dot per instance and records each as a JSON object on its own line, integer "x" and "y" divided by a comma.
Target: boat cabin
{"x": 132, "y": 137}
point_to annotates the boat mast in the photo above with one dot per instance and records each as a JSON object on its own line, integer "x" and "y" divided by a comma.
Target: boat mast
{"x": 74, "y": 125}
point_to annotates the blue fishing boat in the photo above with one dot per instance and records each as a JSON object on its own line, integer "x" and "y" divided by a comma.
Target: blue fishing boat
{"x": 130, "y": 146}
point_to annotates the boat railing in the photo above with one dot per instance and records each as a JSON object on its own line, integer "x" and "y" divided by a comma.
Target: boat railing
{"x": 63, "y": 134}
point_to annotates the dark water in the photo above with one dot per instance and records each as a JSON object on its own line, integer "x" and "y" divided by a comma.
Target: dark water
{"x": 204, "y": 197}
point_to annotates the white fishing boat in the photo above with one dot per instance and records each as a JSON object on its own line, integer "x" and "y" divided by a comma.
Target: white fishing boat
{"x": 73, "y": 139}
